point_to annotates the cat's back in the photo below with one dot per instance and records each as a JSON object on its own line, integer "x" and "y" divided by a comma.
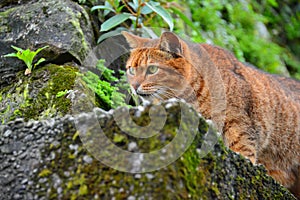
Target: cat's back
{"x": 270, "y": 105}
{"x": 289, "y": 85}
{"x": 225, "y": 60}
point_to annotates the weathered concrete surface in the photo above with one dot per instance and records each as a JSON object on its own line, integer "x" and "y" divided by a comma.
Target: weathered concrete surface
{"x": 47, "y": 160}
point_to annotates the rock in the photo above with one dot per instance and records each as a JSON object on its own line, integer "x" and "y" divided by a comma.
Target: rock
{"x": 22, "y": 99}
{"x": 215, "y": 174}
{"x": 63, "y": 25}
{"x": 7, "y": 133}
{"x": 4, "y": 4}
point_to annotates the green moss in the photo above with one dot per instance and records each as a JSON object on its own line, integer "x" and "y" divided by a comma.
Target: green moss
{"x": 34, "y": 97}
{"x": 44, "y": 173}
{"x": 62, "y": 77}
{"x": 4, "y": 16}
{"x": 221, "y": 174}
{"x": 75, "y": 21}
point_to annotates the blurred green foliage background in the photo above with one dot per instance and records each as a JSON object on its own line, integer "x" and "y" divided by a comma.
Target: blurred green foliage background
{"x": 265, "y": 33}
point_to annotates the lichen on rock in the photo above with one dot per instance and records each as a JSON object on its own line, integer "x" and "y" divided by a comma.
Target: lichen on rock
{"x": 63, "y": 168}
{"x": 62, "y": 25}
{"x": 35, "y": 96}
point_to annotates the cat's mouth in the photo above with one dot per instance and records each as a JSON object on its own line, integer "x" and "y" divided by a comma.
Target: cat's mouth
{"x": 144, "y": 94}
{"x": 152, "y": 95}
{"x": 149, "y": 98}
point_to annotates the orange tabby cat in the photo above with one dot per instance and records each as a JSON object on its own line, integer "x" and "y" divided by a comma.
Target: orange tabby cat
{"x": 262, "y": 113}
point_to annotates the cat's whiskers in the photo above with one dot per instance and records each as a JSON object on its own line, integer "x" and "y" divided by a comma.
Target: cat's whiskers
{"x": 166, "y": 87}
{"x": 157, "y": 96}
{"x": 169, "y": 92}
{"x": 163, "y": 92}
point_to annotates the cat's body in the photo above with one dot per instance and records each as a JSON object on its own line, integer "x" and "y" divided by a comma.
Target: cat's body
{"x": 261, "y": 111}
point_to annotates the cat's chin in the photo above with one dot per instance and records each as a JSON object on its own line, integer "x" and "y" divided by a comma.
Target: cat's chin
{"x": 155, "y": 101}
{"x": 150, "y": 99}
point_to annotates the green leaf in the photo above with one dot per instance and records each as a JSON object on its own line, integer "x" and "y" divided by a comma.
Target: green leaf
{"x": 149, "y": 32}
{"x": 161, "y": 12}
{"x": 61, "y": 93}
{"x": 110, "y": 34}
{"x": 185, "y": 19}
{"x": 273, "y": 3}
{"x": 136, "y": 3}
{"x": 114, "y": 21}
{"x": 117, "y": 3}
{"x": 119, "y": 9}
{"x": 40, "y": 49}
{"x": 102, "y": 8}
{"x": 106, "y": 12}
{"x": 146, "y": 10}
{"x": 39, "y": 61}
{"x": 106, "y": 72}
{"x": 11, "y": 55}
{"x": 27, "y": 56}
{"x": 17, "y": 48}
{"x": 132, "y": 5}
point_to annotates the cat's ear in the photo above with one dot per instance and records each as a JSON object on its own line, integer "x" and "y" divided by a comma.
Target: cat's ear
{"x": 133, "y": 40}
{"x": 170, "y": 42}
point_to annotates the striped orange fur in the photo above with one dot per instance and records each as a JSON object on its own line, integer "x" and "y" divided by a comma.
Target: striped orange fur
{"x": 262, "y": 111}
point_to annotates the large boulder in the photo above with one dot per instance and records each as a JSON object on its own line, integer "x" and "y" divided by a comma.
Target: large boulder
{"x": 53, "y": 159}
{"x": 63, "y": 25}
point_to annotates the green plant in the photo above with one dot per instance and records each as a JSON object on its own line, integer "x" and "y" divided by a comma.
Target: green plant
{"x": 62, "y": 93}
{"x": 109, "y": 90}
{"x": 139, "y": 12}
{"x": 283, "y": 19}
{"x": 239, "y": 28}
{"x": 27, "y": 56}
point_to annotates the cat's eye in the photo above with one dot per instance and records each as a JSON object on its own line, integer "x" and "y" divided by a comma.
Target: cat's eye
{"x": 152, "y": 69}
{"x": 131, "y": 70}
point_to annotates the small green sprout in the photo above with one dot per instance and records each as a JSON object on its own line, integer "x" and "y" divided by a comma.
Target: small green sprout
{"x": 27, "y": 56}
{"x": 62, "y": 93}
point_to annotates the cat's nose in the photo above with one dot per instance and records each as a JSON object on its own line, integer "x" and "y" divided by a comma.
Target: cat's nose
{"x": 136, "y": 85}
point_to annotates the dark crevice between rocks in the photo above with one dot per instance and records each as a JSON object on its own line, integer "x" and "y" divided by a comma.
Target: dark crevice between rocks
{"x": 64, "y": 58}
{"x": 7, "y": 79}
{"x": 6, "y": 4}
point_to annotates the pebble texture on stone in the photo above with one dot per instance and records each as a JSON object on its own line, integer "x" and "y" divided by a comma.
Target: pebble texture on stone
{"x": 47, "y": 160}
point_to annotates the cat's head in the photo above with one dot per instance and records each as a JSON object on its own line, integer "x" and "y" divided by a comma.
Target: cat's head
{"x": 157, "y": 68}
